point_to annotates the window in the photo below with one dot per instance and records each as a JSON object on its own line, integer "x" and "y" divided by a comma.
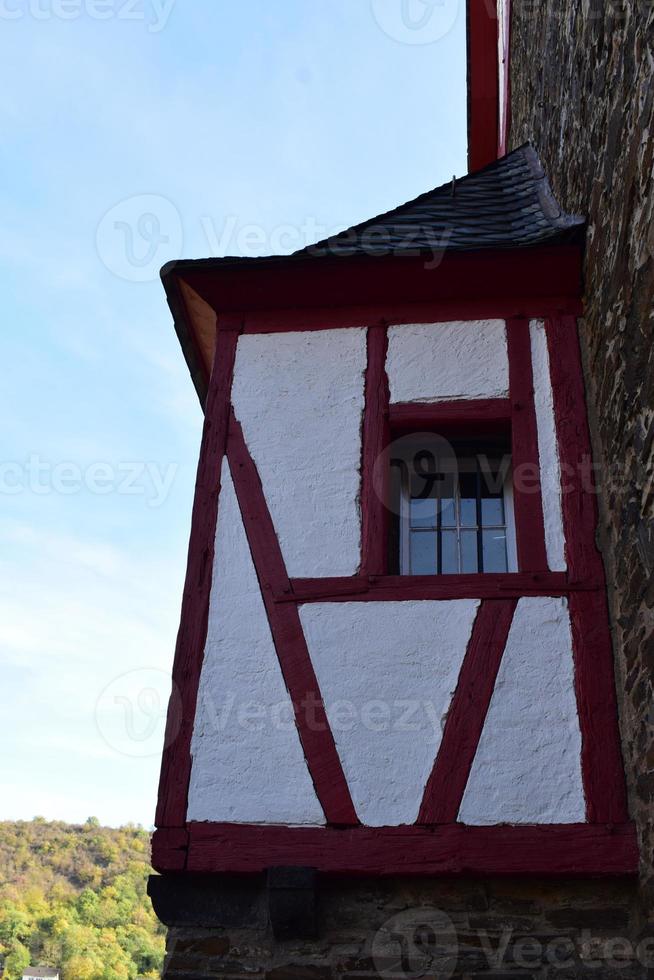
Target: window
{"x": 452, "y": 509}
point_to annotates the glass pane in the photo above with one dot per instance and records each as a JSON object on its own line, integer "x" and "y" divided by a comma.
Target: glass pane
{"x": 468, "y": 490}
{"x": 492, "y": 493}
{"x": 423, "y": 553}
{"x": 423, "y": 513}
{"x": 448, "y": 512}
{"x": 469, "y": 551}
{"x": 494, "y": 551}
{"x": 450, "y": 553}
{"x": 426, "y": 480}
{"x": 492, "y": 511}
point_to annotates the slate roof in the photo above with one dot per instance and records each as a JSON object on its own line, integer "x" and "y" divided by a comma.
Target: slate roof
{"x": 508, "y": 204}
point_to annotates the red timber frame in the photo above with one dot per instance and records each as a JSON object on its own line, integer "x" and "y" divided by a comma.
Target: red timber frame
{"x": 489, "y": 81}
{"x": 436, "y": 844}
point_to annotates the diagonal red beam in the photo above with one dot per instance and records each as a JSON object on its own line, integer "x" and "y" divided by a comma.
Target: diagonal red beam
{"x": 310, "y": 716}
{"x": 375, "y": 438}
{"x": 192, "y": 634}
{"x": 465, "y": 720}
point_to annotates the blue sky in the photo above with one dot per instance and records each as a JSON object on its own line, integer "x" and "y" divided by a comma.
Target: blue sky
{"x": 136, "y": 131}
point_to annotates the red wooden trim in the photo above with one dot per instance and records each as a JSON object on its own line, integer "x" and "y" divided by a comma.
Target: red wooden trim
{"x": 374, "y": 439}
{"x": 388, "y": 282}
{"x": 170, "y": 848}
{"x": 602, "y": 766}
{"x": 310, "y": 716}
{"x": 192, "y": 634}
{"x": 405, "y": 588}
{"x": 527, "y": 501}
{"x": 483, "y": 83}
{"x": 601, "y": 757}
{"x": 332, "y": 318}
{"x": 465, "y": 720}
{"x": 580, "y": 513}
{"x": 474, "y": 410}
{"x": 571, "y": 850}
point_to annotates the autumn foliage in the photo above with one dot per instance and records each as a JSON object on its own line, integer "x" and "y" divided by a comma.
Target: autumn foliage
{"x": 74, "y": 898}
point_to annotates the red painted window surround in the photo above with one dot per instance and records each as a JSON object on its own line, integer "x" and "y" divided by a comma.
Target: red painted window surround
{"x": 472, "y": 417}
{"x": 606, "y": 845}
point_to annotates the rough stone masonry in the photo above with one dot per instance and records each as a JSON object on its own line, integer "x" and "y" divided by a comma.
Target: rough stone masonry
{"x": 583, "y": 91}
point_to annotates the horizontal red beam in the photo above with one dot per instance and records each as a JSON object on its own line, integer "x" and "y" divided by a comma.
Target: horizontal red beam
{"x": 436, "y": 311}
{"x": 454, "y": 849}
{"x": 246, "y": 287}
{"x": 450, "y": 412}
{"x": 403, "y": 588}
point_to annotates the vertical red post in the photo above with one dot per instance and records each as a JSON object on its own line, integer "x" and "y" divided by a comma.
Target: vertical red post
{"x": 527, "y": 497}
{"x": 375, "y": 438}
{"x": 601, "y": 757}
{"x": 483, "y": 83}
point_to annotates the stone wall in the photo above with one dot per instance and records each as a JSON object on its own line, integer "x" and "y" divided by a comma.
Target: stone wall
{"x": 582, "y": 90}
{"x": 500, "y": 930}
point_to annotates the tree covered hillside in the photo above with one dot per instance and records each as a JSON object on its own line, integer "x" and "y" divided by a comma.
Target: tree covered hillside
{"x": 75, "y": 898}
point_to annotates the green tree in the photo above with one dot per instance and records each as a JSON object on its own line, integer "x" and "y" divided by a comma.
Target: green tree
{"x": 74, "y": 897}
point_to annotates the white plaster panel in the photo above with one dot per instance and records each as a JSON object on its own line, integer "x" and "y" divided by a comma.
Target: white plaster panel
{"x": 548, "y": 450}
{"x": 299, "y": 397}
{"x": 528, "y": 764}
{"x": 248, "y": 764}
{"x": 431, "y": 362}
{"x": 387, "y": 672}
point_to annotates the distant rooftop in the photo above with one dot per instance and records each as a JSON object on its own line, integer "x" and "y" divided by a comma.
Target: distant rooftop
{"x": 40, "y": 972}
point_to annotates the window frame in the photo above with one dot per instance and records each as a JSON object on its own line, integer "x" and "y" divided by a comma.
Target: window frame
{"x": 404, "y": 529}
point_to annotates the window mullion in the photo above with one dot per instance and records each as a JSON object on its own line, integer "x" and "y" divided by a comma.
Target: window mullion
{"x": 480, "y": 550}
{"x": 439, "y": 530}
